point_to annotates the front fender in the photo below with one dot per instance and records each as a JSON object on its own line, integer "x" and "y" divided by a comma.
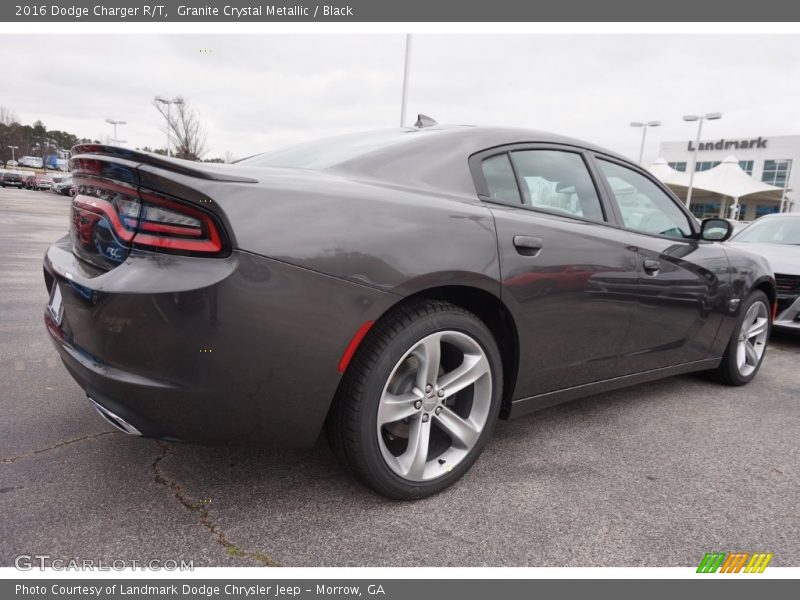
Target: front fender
{"x": 748, "y": 272}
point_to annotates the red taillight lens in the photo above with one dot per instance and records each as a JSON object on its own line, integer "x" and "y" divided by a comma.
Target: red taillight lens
{"x": 168, "y": 224}
{"x": 150, "y": 220}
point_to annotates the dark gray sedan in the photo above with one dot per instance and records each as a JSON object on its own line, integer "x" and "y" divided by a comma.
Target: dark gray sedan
{"x": 402, "y": 289}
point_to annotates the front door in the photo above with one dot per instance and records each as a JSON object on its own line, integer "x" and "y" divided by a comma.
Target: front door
{"x": 682, "y": 281}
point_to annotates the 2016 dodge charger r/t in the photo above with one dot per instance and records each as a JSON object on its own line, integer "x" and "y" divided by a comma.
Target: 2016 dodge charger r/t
{"x": 402, "y": 289}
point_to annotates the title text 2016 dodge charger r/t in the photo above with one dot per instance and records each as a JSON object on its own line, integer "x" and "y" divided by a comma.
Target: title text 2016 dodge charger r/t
{"x": 402, "y": 289}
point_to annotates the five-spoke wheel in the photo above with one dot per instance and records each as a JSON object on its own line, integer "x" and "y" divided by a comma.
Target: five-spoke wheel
{"x": 419, "y": 400}
{"x": 745, "y": 351}
{"x": 752, "y": 338}
{"x": 434, "y": 405}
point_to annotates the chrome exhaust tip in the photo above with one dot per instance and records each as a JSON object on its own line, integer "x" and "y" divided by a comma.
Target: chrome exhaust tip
{"x": 115, "y": 420}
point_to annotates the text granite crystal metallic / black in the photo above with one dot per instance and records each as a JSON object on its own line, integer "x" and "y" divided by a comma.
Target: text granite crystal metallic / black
{"x": 400, "y": 289}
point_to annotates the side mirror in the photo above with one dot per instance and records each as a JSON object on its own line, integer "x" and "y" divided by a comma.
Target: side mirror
{"x": 715, "y": 230}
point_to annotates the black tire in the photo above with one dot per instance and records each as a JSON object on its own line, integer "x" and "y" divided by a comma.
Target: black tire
{"x": 352, "y": 422}
{"x": 728, "y": 371}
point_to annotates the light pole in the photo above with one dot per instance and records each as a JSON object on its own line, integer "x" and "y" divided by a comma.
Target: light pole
{"x": 699, "y": 119}
{"x": 404, "y": 98}
{"x": 169, "y": 104}
{"x": 644, "y": 125}
{"x": 114, "y": 124}
{"x": 13, "y": 148}
{"x": 788, "y": 164}
{"x": 67, "y": 154}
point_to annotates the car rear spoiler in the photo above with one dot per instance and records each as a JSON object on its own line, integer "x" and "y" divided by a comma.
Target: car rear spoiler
{"x": 176, "y": 165}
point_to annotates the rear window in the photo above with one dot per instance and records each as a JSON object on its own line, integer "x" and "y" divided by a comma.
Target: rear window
{"x": 500, "y": 179}
{"x": 330, "y": 152}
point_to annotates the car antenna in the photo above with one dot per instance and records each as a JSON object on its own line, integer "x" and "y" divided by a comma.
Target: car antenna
{"x": 424, "y": 121}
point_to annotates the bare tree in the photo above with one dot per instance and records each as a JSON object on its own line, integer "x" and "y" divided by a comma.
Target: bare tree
{"x": 185, "y": 128}
{"x": 9, "y": 132}
{"x": 7, "y": 116}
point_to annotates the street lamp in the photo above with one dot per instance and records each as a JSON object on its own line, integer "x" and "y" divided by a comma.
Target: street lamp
{"x": 644, "y": 125}
{"x": 114, "y": 123}
{"x": 13, "y": 148}
{"x": 404, "y": 98}
{"x": 786, "y": 174}
{"x": 169, "y": 103}
{"x": 699, "y": 119}
{"x": 67, "y": 155}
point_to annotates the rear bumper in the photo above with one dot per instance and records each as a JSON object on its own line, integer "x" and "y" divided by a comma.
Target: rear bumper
{"x": 789, "y": 318}
{"x": 237, "y": 350}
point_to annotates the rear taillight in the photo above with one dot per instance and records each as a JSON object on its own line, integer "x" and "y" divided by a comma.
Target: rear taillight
{"x": 171, "y": 225}
{"x": 144, "y": 220}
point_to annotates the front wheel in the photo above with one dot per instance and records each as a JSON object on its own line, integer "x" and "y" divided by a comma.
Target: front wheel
{"x": 419, "y": 401}
{"x": 748, "y": 344}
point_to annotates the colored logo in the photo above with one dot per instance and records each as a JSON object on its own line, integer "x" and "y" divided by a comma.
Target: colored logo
{"x": 735, "y": 562}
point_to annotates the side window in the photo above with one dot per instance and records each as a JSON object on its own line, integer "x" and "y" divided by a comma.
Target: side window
{"x": 644, "y": 206}
{"x": 557, "y": 182}
{"x": 500, "y": 180}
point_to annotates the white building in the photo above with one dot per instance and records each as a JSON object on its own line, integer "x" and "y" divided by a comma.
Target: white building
{"x": 766, "y": 158}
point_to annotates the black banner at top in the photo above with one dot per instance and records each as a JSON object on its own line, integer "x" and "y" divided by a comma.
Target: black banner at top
{"x": 400, "y": 11}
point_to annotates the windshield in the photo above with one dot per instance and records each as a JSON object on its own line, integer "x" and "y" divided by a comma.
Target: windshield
{"x": 323, "y": 154}
{"x": 777, "y": 230}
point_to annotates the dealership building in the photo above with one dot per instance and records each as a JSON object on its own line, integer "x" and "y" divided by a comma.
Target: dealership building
{"x": 767, "y": 159}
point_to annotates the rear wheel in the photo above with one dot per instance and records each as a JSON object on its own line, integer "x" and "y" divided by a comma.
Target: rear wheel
{"x": 419, "y": 400}
{"x": 748, "y": 344}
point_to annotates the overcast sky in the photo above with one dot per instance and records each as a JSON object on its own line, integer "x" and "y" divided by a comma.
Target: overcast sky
{"x": 257, "y": 92}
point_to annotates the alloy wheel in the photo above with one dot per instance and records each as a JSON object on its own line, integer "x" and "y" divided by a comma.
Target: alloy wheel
{"x": 434, "y": 406}
{"x": 752, "y": 338}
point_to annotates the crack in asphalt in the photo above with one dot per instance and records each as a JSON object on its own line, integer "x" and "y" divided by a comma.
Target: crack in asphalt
{"x": 92, "y": 436}
{"x": 202, "y": 513}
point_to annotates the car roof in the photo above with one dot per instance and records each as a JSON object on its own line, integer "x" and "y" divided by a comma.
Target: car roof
{"x": 437, "y": 158}
{"x": 482, "y": 137}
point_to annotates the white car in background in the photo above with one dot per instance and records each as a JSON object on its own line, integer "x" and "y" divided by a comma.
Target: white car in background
{"x": 34, "y": 162}
{"x": 777, "y": 238}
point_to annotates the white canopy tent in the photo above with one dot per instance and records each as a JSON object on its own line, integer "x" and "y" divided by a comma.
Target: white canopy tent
{"x": 661, "y": 169}
{"x": 729, "y": 179}
{"x": 726, "y": 180}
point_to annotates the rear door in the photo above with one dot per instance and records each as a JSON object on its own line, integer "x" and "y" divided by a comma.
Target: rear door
{"x": 683, "y": 281}
{"x": 569, "y": 273}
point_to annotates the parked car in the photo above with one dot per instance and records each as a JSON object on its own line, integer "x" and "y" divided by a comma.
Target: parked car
{"x": 738, "y": 225}
{"x": 37, "y": 182}
{"x": 383, "y": 286}
{"x": 11, "y": 179}
{"x": 33, "y": 162}
{"x": 12, "y": 164}
{"x": 776, "y": 237}
{"x": 63, "y": 187}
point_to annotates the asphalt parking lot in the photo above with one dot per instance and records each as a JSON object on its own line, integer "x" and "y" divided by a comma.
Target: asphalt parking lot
{"x": 654, "y": 475}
